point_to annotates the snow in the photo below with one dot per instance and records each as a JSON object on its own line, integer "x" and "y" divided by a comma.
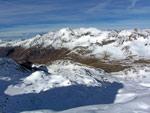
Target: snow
{"x": 125, "y": 97}
{"x": 62, "y": 75}
{"x": 11, "y": 70}
{"x": 5, "y": 78}
{"x": 138, "y": 73}
{"x": 132, "y": 98}
{"x": 145, "y": 84}
{"x": 110, "y": 51}
{"x": 37, "y": 82}
{"x": 125, "y": 33}
{"x": 70, "y": 87}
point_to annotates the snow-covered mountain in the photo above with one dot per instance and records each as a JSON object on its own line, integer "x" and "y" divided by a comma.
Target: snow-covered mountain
{"x": 82, "y": 70}
{"x": 115, "y": 45}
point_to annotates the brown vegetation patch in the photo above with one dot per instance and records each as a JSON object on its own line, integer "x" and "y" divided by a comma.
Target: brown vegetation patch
{"x": 109, "y": 67}
{"x": 34, "y": 55}
{"x": 142, "y": 61}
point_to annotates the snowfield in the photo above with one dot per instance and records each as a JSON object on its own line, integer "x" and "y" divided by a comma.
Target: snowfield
{"x": 70, "y": 87}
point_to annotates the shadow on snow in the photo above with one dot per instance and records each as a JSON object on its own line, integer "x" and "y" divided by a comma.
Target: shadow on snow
{"x": 63, "y": 98}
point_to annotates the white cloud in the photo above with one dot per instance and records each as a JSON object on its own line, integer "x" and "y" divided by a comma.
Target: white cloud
{"x": 133, "y": 3}
{"x": 99, "y": 7}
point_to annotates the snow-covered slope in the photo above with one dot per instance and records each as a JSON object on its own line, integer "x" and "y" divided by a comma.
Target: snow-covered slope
{"x": 69, "y": 87}
{"x": 133, "y": 97}
{"x": 11, "y": 70}
{"x": 59, "y": 74}
{"x": 112, "y": 44}
{"x": 51, "y": 88}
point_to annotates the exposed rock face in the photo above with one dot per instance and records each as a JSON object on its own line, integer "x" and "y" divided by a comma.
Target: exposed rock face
{"x": 26, "y": 64}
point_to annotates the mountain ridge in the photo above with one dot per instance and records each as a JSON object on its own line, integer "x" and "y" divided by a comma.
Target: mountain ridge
{"x": 106, "y": 47}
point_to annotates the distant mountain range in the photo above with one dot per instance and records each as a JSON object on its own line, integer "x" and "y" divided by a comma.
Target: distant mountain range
{"x": 85, "y": 45}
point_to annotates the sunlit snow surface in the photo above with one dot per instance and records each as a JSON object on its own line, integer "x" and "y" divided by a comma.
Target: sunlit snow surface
{"x": 69, "y": 87}
{"x": 134, "y": 97}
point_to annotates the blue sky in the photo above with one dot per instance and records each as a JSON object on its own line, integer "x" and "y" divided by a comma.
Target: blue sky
{"x": 24, "y": 18}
